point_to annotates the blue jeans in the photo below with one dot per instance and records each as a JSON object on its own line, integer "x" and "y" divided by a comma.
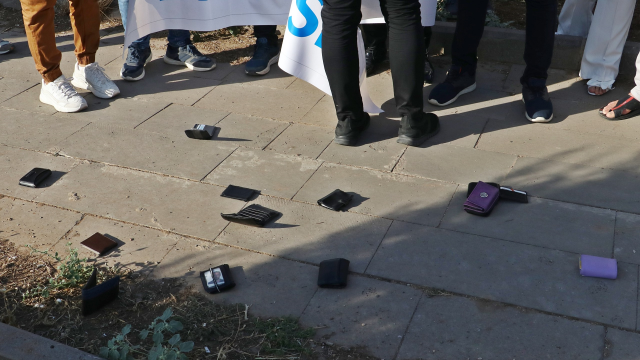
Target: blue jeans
{"x": 176, "y": 38}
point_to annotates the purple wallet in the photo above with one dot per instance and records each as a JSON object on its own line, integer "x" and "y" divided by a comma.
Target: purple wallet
{"x": 595, "y": 266}
{"x": 482, "y": 199}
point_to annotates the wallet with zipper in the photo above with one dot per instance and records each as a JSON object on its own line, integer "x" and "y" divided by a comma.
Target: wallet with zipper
{"x": 253, "y": 215}
{"x": 482, "y": 199}
{"x": 506, "y": 192}
{"x": 336, "y": 200}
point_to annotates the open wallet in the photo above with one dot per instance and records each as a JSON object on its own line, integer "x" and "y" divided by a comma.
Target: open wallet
{"x": 336, "y": 200}
{"x": 482, "y": 199}
{"x": 253, "y": 215}
{"x": 506, "y": 192}
{"x": 217, "y": 279}
{"x": 95, "y": 296}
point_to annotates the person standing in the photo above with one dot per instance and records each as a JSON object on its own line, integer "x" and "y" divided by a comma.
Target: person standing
{"x": 5, "y": 47}
{"x": 340, "y": 56}
{"x": 38, "y": 16}
{"x": 266, "y": 52}
{"x": 461, "y": 78}
{"x": 606, "y": 33}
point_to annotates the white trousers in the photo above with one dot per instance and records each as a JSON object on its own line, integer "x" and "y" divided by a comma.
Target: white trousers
{"x": 635, "y": 92}
{"x": 607, "y": 31}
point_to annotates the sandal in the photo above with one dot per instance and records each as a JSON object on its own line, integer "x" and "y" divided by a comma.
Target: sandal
{"x": 594, "y": 94}
{"x": 627, "y": 103}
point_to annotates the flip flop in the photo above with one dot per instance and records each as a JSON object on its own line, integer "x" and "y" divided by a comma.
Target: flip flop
{"x": 626, "y": 103}
{"x": 594, "y": 94}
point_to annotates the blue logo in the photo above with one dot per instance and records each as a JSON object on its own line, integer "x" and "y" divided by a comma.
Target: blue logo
{"x": 312, "y": 22}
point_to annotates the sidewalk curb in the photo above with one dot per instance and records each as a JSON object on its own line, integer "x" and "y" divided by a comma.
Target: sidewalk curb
{"x": 17, "y": 344}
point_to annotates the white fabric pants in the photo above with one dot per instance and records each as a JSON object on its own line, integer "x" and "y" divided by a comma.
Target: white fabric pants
{"x": 607, "y": 31}
{"x": 635, "y": 92}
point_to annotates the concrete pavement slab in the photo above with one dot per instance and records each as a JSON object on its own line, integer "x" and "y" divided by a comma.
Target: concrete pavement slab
{"x": 157, "y": 201}
{"x": 461, "y": 130}
{"x": 323, "y": 114}
{"x": 278, "y": 104}
{"x": 269, "y": 285}
{"x": 269, "y": 172}
{"x": 454, "y": 327}
{"x": 25, "y": 223}
{"x": 139, "y": 248}
{"x": 483, "y": 104}
{"x": 301, "y": 85}
{"x": 126, "y": 113}
{"x": 368, "y": 313}
{"x": 12, "y": 87}
{"x": 627, "y": 238}
{"x": 249, "y": 131}
{"x": 172, "y": 121}
{"x": 621, "y": 345}
{"x": 390, "y": 196}
{"x": 455, "y": 164}
{"x": 576, "y": 183}
{"x": 219, "y": 73}
{"x": 557, "y": 80}
{"x": 15, "y": 163}
{"x": 34, "y": 131}
{"x": 311, "y": 233}
{"x": 558, "y": 225}
{"x": 302, "y": 140}
{"x": 140, "y": 149}
{"x": 275, "y": 79}
{"x": 29, "y": 101}
{"x": 492, "y": 75}
{"x": 524, "y": 275}
{"x": 373, "y": 150}
{"x": 561, "y": 145}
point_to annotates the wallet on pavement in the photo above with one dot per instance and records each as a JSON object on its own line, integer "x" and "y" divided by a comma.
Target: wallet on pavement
{"x": 253, "y": 215}
{"x": 94, "y": 296}
{"x": 506, "y": 192}
{"x": 35, "y": 177}
{"x": 217, "y": 279}
{"x": 199, "y": 131}
{"x": 482, "y": 199}
{"x": 238, "y": 193}
{"x": 333, "y": 273}
{"x": 99, "y": 244}
{"x": 594, "y": 266}
{"x": 336, "y": 200}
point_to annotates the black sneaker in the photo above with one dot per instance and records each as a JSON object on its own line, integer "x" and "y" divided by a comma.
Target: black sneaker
{"x": 190, "y": 57}
{"x": 133, "y": 68}
{"x": 458, "y": 82}
{"x": 538, "y": 106}
{"x": 373, "y": 56}
{"x": 428, "y": 69}
{"x": 415, "y": 132}
{"x": 348, "y": 131}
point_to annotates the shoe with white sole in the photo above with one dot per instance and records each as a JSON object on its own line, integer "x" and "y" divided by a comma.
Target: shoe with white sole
{"x": 93, "y": 78}
{"x": 264, "y": 55}
{"x": 538, "y": 106}
{"x": 457, "y": 82}
{"x": 190, "y": 57}
{"x": 5, "y": 46}
{"x": 133, "y": 68}
{"x": 62, "y": 96}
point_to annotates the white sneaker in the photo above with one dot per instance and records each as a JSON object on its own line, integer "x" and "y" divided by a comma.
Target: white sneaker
{"x": 62, "y": 96}
{"x": 93, "y": 78}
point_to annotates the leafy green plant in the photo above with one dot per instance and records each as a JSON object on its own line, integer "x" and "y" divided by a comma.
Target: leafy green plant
{"x": 441, "y": 12}
{"x": 73, "y": 272}
{"x": 284, "y": 335}
{"x": 196, "y": 37}
{"x": 120, "y": 348}
{"x": 235, "y": 30}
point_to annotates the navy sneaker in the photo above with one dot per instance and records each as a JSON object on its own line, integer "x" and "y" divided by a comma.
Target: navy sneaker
{"x": 458, "y": 82}
{"x": 349, "y": 130}
{"x": 133, "y": 68}
{"x": 538, "y": 106}
{"x": 190, "y": 57}
{"x": 264, "y": 55}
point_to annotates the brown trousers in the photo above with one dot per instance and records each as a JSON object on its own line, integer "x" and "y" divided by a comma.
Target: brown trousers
{"x": 38, "y": 18}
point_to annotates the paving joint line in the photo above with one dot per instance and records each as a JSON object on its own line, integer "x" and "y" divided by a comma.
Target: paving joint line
{"x": 406, "y": 330}
{"x": 399, "y": 158}
{"x": 447, "y": 208}
{"x": 309, "y": 178}
{"x": 475, "y": 146}
{"x": 23, "y": 91}
{"x": 378, "y": 247}
{"x": 277, "y": 136}
{"x": 156, "y": 113}
{"x": 201, "y": 181}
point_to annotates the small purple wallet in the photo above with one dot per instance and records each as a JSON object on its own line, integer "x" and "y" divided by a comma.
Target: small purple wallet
{"x": 482, "y": 199}
{"x": 595, "y": 266}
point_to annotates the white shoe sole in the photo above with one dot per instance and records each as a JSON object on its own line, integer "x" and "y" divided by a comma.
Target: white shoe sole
{"x": 272, "y": 61}
{"x": 182, "y": 63}
{"x": 86, "y": 86}
{"x": 538, "y": 119}
{"x": 45, "y": 98}
{"x": 464, "y": 91}
{"x": 5, "y": 51}
{"x": 141, "y": 75}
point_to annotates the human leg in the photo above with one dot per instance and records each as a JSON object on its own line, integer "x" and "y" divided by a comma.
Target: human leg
{"x": 575, "y": 17}
{"x": 38, "y": 16}
{"x": 266, "y": 52}
{"x": 375, "y": 44}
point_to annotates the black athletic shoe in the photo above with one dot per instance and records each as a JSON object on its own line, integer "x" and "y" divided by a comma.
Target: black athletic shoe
{"x": 374, "y": 55}
{"x": 428, "y": 69}
{"x": 538, "y": 106}
{"x": 349, "y": 130}
{"x": 415, "y": 132}
{"x": 458, "y": 82}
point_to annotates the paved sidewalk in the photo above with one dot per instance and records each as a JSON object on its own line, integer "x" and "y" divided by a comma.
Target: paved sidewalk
{"x": 511, "y": 281}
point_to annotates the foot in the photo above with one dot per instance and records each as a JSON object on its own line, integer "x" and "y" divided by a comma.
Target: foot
{"x": 264, "y": 55}
{"x": 190, "y": 57}
{"x": 374, "y": 55}
{"x": 428, "y": 70}
{"x": 93, "y": 78}
{"x": 538, "y": 106}
{"x": 62, "y": 96}
{"x": 415, "y": 132}
{"x": 133, "y": 68}
{"x": 5, "y": 47}
{"x": 597, "y": 90}
{"x": 608, "y": 112}
{"x": 458, "y": 82}
{"x": 349, "y": 130}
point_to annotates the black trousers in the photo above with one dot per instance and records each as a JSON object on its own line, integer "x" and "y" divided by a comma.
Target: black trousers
{"x": 266, "y": 31}
{"x": 376, "y": 35}
{"x": 541, "y": 27}
{"x": 406, "y": 54}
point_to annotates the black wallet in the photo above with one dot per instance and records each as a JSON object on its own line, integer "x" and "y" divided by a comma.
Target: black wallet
{"x": 35, "y": 177}
{"x": 199, "y": 131}
{"x": 336, "y": 200}
{"x": 333, "y": 273}
{"x": 254, "y": 215}
{"x": 238, "y": 193}
{"x": 94, "y": 296}
{"x": 217, "y": 279}
{"x": 506, "y": 192}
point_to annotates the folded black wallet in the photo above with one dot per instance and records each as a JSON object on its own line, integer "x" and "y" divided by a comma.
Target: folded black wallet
{"x": 336, "y": 200}
{"x": 217, "y": 279}
{"x": 333, "y": 273}
{"x": 506, "y": 192}
{"x": 238, "y": 193}
{"x": 253, "y": 215}
{"x": 199, "y": 131}
{"x": 94, "y": 296}
{"x": 35, "y": 177}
